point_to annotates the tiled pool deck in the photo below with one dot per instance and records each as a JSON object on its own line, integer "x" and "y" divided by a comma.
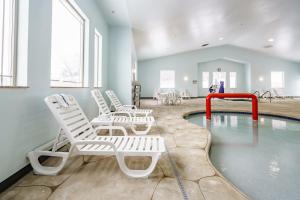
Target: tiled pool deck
{"x": 92, "y": 177}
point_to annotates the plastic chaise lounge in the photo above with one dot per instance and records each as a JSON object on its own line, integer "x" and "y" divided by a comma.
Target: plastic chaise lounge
{"x": 132, "y": 109}
{"x": 84, "y": 141}
{"x": 277, "y": 94}
{"x": 106, "y": 117}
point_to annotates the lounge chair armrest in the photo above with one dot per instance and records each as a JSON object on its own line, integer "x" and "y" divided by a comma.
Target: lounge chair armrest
{"x": 112, "y": 128}
{"x": 98, "y": 142}
{"x": 121, "y": 113}
{"x": 130, "y": 106}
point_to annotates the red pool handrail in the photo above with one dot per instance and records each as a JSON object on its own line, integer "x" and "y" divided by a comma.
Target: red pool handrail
{"x": 232, "y": 96}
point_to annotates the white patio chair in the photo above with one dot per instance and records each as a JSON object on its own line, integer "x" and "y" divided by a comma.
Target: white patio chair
{"x": 106, "y": 117}
{"x": 85, "y": 141}
{"x": 155, "y": 94}
{"x": 132, "y": 109}
{"x": 185, "y": 94}
{"x": 175, "y": 97}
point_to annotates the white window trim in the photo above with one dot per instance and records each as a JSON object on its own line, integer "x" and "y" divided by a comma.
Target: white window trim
{"x": 85, "y": 49}
{"x": 98, "y": 60}
{"x": 22, "y": 49}
{"x": 19, "y": 41}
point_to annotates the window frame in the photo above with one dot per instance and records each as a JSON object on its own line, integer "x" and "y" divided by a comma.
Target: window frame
{"x": 98, "y": 59}
{"x": 160, "y": 78}
{"x": 79, "y": 15}
{"x": 14, "y": 45}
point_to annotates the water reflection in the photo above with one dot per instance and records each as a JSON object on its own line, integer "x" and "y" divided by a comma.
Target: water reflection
{"x": 274, "y": 168}
{"x": 222, "y": 121}
{"x": 233, "y": 121}
{"x": 255, "y": 133}
{"x": 262, "y": 121}
{"x": 278, "y": 124}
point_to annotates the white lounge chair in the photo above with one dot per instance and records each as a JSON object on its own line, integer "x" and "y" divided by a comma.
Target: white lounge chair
{"x": 278, "y": 93}
{"x": 132, "y": 109}
{"x": 106, "y": 117}
{"x": 85, "y": 141}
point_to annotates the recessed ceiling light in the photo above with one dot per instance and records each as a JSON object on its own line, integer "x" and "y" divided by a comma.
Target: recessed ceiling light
{"x": 221, "y": 38}
{"x": 271, "y": 40}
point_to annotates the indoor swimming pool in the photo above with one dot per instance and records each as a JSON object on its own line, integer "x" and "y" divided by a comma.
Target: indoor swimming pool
{"x": 261, "y": 159}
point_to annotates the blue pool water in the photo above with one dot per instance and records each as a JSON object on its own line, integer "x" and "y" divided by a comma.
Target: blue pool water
{"x": 262, "y": 159}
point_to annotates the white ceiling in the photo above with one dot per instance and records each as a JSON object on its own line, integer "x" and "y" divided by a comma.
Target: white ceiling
{"x": 164, "y": 27}
{"x": 115, "y": 12}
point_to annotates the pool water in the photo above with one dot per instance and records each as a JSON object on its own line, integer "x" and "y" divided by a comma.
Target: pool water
{"x": 262, "y": 159}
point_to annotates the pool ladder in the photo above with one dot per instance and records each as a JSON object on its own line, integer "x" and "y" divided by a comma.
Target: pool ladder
{"x": 265, "y": 93}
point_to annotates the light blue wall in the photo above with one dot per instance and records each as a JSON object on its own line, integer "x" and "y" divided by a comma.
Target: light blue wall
{"x": 185, "y": 64}
{"x": 226, "y": 66}
{"x": 25, "y": 121}
{"x": 120, "y": 62}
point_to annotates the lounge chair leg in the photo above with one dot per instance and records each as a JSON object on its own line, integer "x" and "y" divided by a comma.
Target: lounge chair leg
{"x": 45, "y": 170}
{"x": 110, "y": 130}
{"x": 144, "y": 132}
{"x": 137, "y": 173}
{"x": 59, "y": 138}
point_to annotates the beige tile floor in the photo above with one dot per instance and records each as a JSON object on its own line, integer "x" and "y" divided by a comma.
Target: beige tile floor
{"x": 95, "y": 178}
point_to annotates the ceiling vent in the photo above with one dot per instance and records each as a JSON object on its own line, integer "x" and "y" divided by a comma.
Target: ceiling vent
{"x": 204, "y": 45}
{"x": 268, "y": 46}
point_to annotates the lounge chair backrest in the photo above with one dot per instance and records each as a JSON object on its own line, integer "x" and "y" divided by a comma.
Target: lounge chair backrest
{"x": 276, "y": 93}
{"x": 103, "y": 107}
{"x": 71, "y": 118}
{"x": 114, "y": 99}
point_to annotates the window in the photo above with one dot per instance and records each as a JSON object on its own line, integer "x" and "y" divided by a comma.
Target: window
{"x": 8, "y": 42}
{"x": 97, "y": 59}
{"x": 232, "y": 79}
{"x": 218, "y": 77}
{"x": 167, "y": 79}
{"x": 277, "y": 79}
{"x": 13, "y": 42}
{"x": 68, "y": 51}
{"x": 205, "y": 79}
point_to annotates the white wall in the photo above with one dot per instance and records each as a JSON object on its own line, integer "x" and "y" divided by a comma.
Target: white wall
{"x": 185, "y": 64}
{"x": 25, "y": 121}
